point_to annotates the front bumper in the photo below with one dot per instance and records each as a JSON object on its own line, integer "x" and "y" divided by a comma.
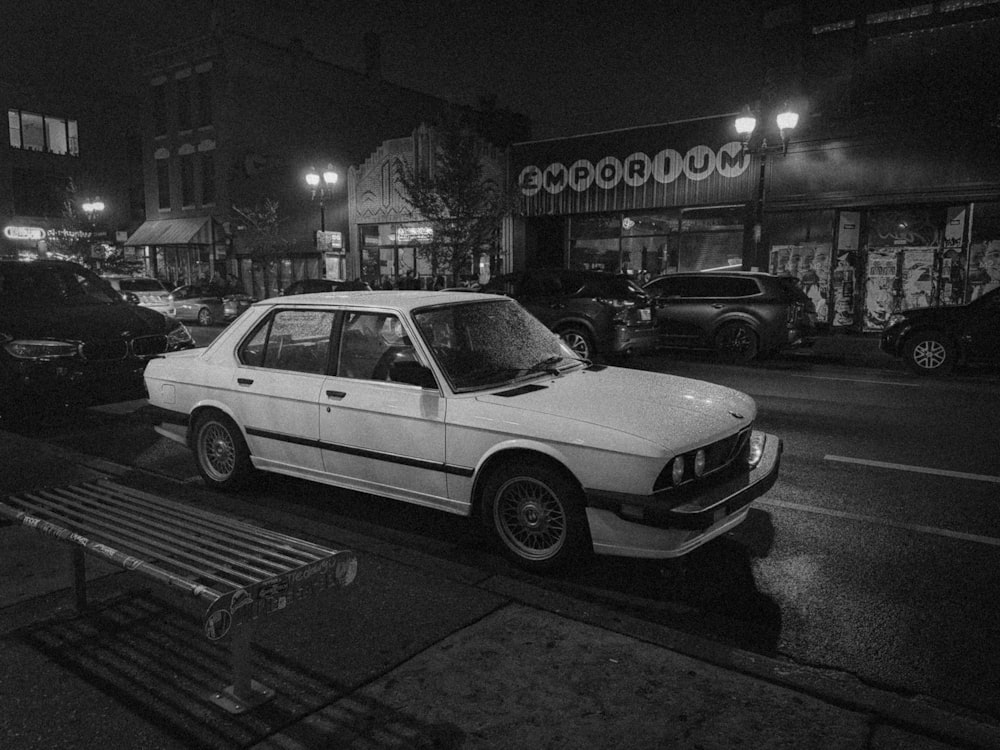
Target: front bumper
{"x": 73, "y": 382}
{"x": 677, "y": 530}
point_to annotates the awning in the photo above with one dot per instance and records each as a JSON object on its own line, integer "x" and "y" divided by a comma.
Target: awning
{"x": 197, "y": 230}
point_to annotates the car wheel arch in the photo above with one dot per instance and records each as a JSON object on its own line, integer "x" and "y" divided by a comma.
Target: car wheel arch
{"x": 734, "y": 318}
{"x": 502, "y": 455}
{"x": 206, "y": 408}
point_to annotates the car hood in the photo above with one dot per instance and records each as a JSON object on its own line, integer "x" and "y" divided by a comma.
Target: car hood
{"x": 83, "y": 322}
{"x": 663, "y": 409}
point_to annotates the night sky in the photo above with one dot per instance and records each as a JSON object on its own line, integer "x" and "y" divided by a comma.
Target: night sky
{"x": 571, "y": 67}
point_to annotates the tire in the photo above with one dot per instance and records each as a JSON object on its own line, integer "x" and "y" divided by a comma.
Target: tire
{"x": 220, "y": 452}
{"x": 736, "y": 343}
{"x": 536, "y": 514}
{"x": 579, "y": 341}
{"x": 929, "y": 353}
{"x": 205, "y": 317}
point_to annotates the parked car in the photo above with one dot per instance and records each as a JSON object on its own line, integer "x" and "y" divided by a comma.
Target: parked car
{"x": 310, "y": 286}
{"x": 67, "y": 337}
{"x": 142, "y": 290}
{"x": 207, "y": 304}
{"x": 933, "y": 340}
{"x": 467, "y": 403}
{"x": 592, "y": 311}
{"x": 738, "y": 314}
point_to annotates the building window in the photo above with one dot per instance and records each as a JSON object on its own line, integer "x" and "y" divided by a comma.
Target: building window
{"x": 163, "y": 183}
{"x": 160, "y": 110}
{"x": 35, "y": 132}
{"x": 184, "y": 103}
{"x": 187, "y": 180}
{"x": 207, "y": 178}
{"x": 204, "y": 94}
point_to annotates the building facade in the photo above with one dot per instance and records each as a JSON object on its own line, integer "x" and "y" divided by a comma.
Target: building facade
{"x": 885, "y": 197}
{"x": 233, "y": 125}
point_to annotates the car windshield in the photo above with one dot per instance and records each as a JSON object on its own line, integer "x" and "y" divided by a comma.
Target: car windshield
{"x": 488, "y": 344}
{"x": 33, "y": 286}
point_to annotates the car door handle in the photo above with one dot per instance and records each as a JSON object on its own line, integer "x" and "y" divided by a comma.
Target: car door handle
{"x": 718, "y": 305}
{"x": 244, "y": 381}
{"x": 335, "y": 394}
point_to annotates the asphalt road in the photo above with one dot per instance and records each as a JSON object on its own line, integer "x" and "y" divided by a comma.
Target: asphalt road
{"x": 874, "y": 555}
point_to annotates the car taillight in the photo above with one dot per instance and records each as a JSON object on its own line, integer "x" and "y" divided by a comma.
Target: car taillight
{"x": 794, "y": 311}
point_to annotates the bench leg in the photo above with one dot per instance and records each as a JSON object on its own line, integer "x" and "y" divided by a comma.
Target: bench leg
{"x": 79, "y": 565}
{"x": 245, "y": 692}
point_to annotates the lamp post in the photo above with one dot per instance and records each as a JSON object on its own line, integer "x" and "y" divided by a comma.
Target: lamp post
{"x": 322, "y": 188}
{"x": 746, "y": 123}
{"x": 91, "y": 208}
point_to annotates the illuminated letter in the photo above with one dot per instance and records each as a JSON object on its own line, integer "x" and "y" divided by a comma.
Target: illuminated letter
{"x": 637, "y": 169}
{"x": 609, "y": 172}
{"x": 554, "y": 178}
{"x": 667, "y": 165}
{"x": 581, "y": 175}
{"x": 530, "y": 180}
{"x": 699, "y": 163}
{"x": 733, "y": 160}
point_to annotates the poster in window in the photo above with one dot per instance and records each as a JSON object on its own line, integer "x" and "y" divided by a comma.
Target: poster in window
{"x": 881, "y": 287}
{"x": 917, "y": 277}
{"x": 844, "y": 277}
{"x": 984, "y": 268}
{"x": 810, "y": 265}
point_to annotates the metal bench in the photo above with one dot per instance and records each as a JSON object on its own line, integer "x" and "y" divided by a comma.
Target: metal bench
{"x": 242, "y": 572}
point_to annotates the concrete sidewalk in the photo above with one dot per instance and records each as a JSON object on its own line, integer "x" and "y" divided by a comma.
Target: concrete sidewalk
{"x": 418, "y": 653}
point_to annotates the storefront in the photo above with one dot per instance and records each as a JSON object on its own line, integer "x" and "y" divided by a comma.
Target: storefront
{"x": 868, "y": 225}
{"x": 392, "y": 241}
{"x": 182, "y": 251}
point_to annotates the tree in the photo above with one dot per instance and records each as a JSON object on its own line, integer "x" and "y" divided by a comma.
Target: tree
{"x": 260, "y": 229}
{"x": 462, "y": 201}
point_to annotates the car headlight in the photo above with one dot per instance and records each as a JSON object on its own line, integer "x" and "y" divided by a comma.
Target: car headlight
{"x": 41, "y": 349}
{"x": 699, "y": 462}
{"x": 179, "y": 337}
{"x": 677, "y": 470}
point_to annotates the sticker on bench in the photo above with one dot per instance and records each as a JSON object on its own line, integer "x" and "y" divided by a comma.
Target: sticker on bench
{"x": 273, "y": 595}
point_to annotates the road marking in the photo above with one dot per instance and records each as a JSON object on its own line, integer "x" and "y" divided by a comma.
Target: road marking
{"x": 915, "y": 469}
{"x": 993, "y": 542}
{"x": 858, "y": 380}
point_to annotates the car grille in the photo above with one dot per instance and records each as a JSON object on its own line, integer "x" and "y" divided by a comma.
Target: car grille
{"x": 113, "y": 349}
{"x": 719, "y": 456}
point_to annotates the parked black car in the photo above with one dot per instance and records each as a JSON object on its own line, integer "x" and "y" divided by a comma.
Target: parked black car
{"x": 592, "y": 311}
{"x": 67, "y": 337}
{"x": 933, "y": 340}
{"x": 738, "y": 314}
{"x": 309, "y": 286}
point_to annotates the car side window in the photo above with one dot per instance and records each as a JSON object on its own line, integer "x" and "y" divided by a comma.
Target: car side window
{"x": 369, "y": 343}
{"x": 296, "y": 340}
{"x": 730, "y": 287}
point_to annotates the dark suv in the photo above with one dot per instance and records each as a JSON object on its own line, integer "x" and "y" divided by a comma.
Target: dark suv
{"x": 932, "y": 340}
{"x": 67, "y": 336}
{"x": 592, "y": 311}
{"x": 738, "y": 314}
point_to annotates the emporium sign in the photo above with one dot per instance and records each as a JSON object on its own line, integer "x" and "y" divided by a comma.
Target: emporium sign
{"x": 37, "y": 234}
{"x": 635, "y": 170}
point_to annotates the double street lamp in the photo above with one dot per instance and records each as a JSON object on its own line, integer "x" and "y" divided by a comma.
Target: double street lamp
{"x": 746, "y": 123}
{"x": 92, "y": 208}
{"x": 322, "y": 188}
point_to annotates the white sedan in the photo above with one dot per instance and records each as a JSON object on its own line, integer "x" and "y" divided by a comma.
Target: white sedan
{"x": 466, "y": 403}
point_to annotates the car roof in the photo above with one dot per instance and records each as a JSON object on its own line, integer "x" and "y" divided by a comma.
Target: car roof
{"x": 402, "y": 300}
{"x": 703, "y": 274}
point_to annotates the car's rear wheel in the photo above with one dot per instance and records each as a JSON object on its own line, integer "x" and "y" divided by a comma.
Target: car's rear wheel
{"x": 205, "y": 317}
{"x": 220, "y": 451}
{"x": 537, "y": 514}
{"x": 929, "y": 354}
{"x": 736, "y": 342}
{"x": 579, "y": 341}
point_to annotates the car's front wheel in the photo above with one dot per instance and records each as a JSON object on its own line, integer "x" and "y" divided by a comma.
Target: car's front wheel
{"x": 537, "y": 514}
{"x": 205, "y": 317}
{"x": 736, "y": 343}
{"x": 929, "y": 354}
{"x": 579, "y": 341}
{"x": 220, "y": 451}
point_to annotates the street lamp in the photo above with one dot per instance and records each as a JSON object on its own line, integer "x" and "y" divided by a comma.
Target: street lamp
{"x": 322, "y": 188}
{"x": 746, "y": 123}
{"x": 93, "y": 207}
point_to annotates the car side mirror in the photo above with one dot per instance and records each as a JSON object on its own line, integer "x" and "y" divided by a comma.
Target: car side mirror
{"x": 412, "y": 373}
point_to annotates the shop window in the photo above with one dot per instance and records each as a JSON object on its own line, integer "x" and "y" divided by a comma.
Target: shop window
{"x": 984, "y": 250}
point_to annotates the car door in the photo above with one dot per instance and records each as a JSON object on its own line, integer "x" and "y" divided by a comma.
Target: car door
{"x": 277, "y": 384}
{"x": 681, "y": 309}
{"x": 983, "y": 330}
{"x": 377, "y": 435}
